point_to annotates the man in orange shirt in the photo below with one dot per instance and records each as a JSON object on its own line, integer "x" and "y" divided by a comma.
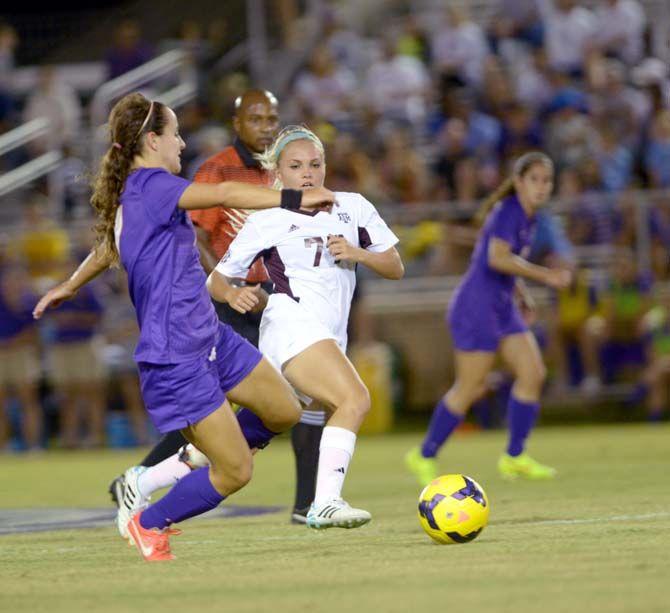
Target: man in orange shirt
{"x": 256, "y": 122}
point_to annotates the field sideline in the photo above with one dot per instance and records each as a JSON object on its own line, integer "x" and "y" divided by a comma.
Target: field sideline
{"x": 595, "y": 539}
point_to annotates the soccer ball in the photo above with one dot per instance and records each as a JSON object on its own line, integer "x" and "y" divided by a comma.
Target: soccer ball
{"x": 453, "y": 509}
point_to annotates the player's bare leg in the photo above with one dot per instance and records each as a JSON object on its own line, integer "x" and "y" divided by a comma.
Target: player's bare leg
{"x": 324, "y": 373}
{"x": 265, "y": 392}
{"x": 275, "y": 409}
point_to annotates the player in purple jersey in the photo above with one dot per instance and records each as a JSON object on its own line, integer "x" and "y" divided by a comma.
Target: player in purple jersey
{"x": 484, "y": 320}
{"x": 311, "y": 257}
{"x": 188, "y": 362}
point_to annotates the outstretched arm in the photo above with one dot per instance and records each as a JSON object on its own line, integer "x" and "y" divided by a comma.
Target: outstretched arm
{"x": 236, "y": 195}
{"x": 89, "y": 269}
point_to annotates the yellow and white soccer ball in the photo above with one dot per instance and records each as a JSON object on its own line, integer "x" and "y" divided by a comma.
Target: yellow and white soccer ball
{"x": 453, "y": 509}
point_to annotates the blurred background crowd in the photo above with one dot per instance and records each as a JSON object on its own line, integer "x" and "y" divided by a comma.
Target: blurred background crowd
{"x": 421, "y": 105}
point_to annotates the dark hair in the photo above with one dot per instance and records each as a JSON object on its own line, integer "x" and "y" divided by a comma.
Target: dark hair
{"x": 131, "y": 117}
{"x": 520, "y": 168}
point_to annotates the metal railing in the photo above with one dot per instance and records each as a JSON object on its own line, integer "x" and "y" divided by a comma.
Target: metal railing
{"x": 35, "y": 168}
{"x": 28, "y": 172}
{"x": 171, "y": 62}
{"x": 175, "y": 63}
{"x": 23, "y": 134}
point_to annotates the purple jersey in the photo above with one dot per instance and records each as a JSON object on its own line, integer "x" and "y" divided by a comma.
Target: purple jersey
{"x": 156, "y": 243}
{"x": 482, "y": 311}
{"x": 507, "y": 222}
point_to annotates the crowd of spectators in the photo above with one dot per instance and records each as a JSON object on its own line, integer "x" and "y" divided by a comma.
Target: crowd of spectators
{"x": 548, "y": 73}
{"x": 436, "y": 104}
{"x": 429, "y": 106}
{"x": 62, "y": 378}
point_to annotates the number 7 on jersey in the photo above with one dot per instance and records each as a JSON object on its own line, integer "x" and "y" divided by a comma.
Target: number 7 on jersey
{"x": 318, "y": 241}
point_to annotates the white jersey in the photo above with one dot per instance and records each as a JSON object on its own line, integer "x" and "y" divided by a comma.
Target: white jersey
{"x": 293, "y": 247}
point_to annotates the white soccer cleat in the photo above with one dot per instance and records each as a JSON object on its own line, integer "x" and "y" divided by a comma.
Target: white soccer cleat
{"x": 336, "y": 513}
{"x": 132, "y": 501}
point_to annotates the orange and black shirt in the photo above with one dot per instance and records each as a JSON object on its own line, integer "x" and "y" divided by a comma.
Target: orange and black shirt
{"x": 234, "y": 163}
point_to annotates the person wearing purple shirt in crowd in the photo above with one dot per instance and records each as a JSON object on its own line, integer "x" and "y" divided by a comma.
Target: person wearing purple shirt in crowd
{"x": 19, "y": 357}
{"x": 484, "y": 319}
{"x": 189, "y": 363}
{"x": 76, "y": 369}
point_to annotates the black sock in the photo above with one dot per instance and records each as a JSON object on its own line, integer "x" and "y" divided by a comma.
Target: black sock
{"x": 305, "y": 439}
{"x": 166, "y": 447}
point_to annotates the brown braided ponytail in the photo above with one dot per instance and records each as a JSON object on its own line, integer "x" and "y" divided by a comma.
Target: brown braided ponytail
{"x": 131, "y": 118}
{"x": 521, "y": 167}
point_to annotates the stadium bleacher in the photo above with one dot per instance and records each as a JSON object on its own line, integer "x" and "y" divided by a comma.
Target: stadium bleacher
{"x": 432, "y": 219}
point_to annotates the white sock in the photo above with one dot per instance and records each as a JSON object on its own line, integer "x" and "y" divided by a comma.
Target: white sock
{"x": 163, "y": 474}
{"x": 335, "y": 451}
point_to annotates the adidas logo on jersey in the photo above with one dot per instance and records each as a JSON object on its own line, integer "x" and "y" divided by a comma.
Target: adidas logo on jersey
{"x": 344, "y": 217}
{"x": 293, "y": 227}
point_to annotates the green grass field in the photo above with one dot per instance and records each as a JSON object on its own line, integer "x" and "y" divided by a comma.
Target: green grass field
{"x": 595, "y": 539}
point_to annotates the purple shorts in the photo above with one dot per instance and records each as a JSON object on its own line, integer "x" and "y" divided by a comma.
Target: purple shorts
{"x": 482, "y": 327}
{"x": 178, "y": 395}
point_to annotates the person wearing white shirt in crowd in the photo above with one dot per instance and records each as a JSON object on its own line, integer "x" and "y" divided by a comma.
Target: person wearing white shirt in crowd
{"x": 533, "y": 83}
{"x": 569, "y": 31}
{"x": 346, "y": 45}
{"x": 459, "y": 47}
{"x": 652, "y": 76}
{"x": 54, "y": 99}
{"x": 613, "y": 101}
{"x": 325, "y": 89}
{"x": 620, "y": 26}
{"x": 396, "y": 85}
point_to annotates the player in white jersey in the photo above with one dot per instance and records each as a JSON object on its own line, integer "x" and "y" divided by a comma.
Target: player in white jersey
{"x": 312, "y": 289}
{"x": 311, "y": 258}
